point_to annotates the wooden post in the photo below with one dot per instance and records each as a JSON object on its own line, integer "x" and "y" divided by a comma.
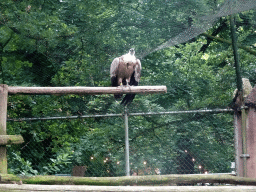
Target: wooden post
{"x": 244, "y": 154}
{"x": 245, "y": 126}
{"x": 238, "y": 144}
{"x": 242, "y": 138}
{"x": 3, "y": 116}
{"x": 251, "y": 142}
{"x": 250, "y": 102}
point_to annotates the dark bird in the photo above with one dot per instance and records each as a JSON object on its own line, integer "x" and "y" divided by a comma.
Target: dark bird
{"x": 125, "y": 70}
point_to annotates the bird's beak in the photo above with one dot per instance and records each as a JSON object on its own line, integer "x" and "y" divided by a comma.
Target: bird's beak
{"x": 132, "y": 51}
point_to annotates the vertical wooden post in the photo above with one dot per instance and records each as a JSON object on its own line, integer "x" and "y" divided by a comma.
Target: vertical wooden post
{"x": 251, "y": 142}
{"x": 244, "y": 140}
{"x": 3, "y": 116}
{"x": 250, "y": 101}
{"x": 238, "y": 144}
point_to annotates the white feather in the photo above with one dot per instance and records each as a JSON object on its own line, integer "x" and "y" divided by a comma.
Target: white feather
{"x": 129, "y": 58}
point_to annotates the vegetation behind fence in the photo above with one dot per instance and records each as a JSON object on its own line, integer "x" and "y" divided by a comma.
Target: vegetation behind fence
{"x": 72, "y": 43}
{"x": 182, "y": 143}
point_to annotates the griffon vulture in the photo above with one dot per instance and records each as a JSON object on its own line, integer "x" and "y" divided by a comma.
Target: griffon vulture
{"x": 125, "y": 70}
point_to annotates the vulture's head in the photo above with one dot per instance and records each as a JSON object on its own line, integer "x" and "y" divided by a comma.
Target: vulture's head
{"x": 132, "y": 51}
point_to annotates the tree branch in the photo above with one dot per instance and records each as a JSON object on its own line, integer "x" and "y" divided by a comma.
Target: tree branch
{"x": 249, "y": 50}
{"x": 214, "y": 33}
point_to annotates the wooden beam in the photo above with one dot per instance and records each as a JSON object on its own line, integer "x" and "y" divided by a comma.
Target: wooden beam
{"x": 73, "y": 188}
{"x": 11, "y": 139}
{"x": 86, "y": 90}
{"x": 128, "y": 180}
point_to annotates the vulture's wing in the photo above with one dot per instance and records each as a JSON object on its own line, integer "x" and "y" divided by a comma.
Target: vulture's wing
{"x": 113, "y": 72}
{"x": 137, "y": 70}
{"x": 114, "y": 67}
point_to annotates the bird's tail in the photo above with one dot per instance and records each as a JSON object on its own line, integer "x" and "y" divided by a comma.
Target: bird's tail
{"x": 127, "y": 99}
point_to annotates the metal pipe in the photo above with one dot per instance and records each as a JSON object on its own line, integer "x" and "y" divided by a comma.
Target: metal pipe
{"x": 65, "y": 117}
{"x": 235, "y": 52}
{"x": 127, "y": 162}
{"x": 182, "y": 112}
{"x": 119, "y": 115}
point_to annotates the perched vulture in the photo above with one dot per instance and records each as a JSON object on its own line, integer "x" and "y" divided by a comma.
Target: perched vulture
{"x": 125, "y": 70}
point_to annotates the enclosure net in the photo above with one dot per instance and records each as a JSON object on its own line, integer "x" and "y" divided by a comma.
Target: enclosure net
{"x": 145, "y": 25}
{"x": 73, "y": 42}
{"x": 202, "y": 18}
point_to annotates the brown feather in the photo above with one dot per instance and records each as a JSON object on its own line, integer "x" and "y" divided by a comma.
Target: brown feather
{"x": 125, "y": 70}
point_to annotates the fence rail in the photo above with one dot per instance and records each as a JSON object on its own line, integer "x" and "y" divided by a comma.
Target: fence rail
{"x": 120, "y": 115}
{"x": 188, "y": 155}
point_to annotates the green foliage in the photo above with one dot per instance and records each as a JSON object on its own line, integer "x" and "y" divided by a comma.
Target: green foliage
{"x": 72, "y": 43}
{"x": 20, "y": 166}
{"x": 61, "y": 164}
{"x": 101, "y": 148}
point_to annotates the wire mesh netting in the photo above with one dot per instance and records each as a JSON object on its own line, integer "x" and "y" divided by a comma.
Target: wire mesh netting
{"x": 174, "y": 142}
{"x": 185, "y": 45}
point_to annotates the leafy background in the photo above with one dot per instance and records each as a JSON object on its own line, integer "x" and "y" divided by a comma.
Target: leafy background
{"x": 72, "y": 43}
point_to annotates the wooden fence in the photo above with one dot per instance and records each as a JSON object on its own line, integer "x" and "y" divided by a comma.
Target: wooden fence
{"x": 245, "y": 131}
{"x": 6, "y": 90}
{"x": 244, "y": 120}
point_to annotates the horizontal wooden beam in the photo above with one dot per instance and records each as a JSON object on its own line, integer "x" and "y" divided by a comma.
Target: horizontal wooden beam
{"x": 128, "y": 180}
{"x": 86, "y": 90}
{"x": 11, "y": 139}
{"x": 72, "y": 188}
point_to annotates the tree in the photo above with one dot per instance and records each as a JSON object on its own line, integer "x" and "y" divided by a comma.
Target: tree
{"x": 72, "y": 43}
